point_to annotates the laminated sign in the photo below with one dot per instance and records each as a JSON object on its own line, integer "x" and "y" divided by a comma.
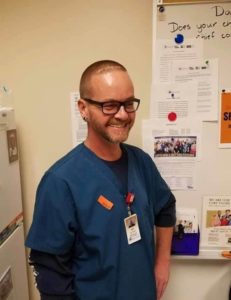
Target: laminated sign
{"x": 225, "y": 120}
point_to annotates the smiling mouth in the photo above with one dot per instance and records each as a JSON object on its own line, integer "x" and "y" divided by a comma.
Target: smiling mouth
{"x": 124, "y": 125}
{"x": 119, "y": 126}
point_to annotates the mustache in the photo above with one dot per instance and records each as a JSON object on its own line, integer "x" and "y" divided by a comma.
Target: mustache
{"x": 119, "y": 123}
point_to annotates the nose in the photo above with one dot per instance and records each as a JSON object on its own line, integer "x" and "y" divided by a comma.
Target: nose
{"x": 121, "y": 113}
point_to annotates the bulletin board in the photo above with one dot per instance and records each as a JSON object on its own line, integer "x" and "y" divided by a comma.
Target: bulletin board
{"x": 210, "y": 23}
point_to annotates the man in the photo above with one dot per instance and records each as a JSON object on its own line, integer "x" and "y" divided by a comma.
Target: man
{"x": 82, "y": 246}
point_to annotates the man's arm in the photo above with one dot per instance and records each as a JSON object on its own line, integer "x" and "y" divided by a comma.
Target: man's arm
{"x": 165, "y": 221}
{"x": 162, "y": 263}
{"x": 53, "y": 275}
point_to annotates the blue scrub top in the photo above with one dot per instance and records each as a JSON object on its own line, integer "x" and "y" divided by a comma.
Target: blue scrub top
{"x": 68, "y": 217}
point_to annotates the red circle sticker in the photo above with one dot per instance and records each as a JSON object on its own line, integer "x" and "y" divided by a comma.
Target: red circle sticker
{"x": 172, "y": 116}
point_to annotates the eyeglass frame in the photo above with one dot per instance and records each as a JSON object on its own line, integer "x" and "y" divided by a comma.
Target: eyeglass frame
{"x": 121, "y": 103}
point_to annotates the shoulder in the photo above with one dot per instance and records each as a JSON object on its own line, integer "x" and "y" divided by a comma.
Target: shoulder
{"x": 138, "y": 154}
{"x": 142, "y": 161}
{"x": 135, "y": 151}
{"x": 69, "y": 161}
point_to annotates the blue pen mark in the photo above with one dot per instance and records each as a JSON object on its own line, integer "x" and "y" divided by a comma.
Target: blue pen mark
{"x": 179, "y": 38}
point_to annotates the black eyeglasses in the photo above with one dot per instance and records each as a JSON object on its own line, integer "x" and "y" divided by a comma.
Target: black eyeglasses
{"x": 112, "y": 107}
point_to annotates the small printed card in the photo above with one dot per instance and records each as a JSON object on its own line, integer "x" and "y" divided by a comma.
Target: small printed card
{"x": 187, "y": 220}
{"x": 132, "y": 229}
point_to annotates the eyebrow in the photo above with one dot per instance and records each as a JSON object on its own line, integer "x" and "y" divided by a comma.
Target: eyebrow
{"x": 123, "y": 100}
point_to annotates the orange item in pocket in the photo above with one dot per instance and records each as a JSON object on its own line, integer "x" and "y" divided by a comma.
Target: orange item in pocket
{"x": 105, "y": 202}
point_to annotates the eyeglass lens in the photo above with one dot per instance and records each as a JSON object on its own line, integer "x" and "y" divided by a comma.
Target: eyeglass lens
{"x": 114, "y": 107}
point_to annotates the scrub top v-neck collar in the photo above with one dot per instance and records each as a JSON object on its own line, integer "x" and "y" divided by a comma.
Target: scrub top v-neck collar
{"x": 106, "y": 171}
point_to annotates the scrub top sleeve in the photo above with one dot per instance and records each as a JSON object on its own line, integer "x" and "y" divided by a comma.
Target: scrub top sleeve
{"x": 160, "y": 190}
{"x": 167, "y": 215}
{"x": 54, "y": 225}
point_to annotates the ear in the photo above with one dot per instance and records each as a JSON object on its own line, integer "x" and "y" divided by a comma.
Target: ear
{"x": 83, "y": 108}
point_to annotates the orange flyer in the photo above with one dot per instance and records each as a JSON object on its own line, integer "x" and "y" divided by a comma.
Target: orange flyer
{"x": 225, "y": 120}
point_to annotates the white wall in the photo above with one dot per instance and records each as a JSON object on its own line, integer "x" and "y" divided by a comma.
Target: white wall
{"x": 199, "y": 280}
{"x": 45, "y": 45}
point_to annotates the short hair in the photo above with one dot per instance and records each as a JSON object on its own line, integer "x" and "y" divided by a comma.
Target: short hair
{"x": 98, "y": 67}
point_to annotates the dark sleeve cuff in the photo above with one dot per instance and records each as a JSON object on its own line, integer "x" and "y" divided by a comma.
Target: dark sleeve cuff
{"x": 53, "y": 275}
{"x": 167, "y": 215}
{"x": 49, "y": 297}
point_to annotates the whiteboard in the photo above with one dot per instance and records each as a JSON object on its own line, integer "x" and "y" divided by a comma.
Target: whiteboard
{"x": 211, "y": 24}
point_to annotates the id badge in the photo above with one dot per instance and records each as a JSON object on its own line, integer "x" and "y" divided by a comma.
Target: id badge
{"x": 132, "y": 229}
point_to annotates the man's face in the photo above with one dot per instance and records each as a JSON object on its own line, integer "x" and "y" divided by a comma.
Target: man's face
{"x": 113, "y": 85}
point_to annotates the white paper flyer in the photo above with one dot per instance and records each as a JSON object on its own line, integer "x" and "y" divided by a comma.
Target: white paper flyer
{"x": 216, "y": 226}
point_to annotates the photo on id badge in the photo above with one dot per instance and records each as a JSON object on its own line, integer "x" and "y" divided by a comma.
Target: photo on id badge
{"x": 132, "y": 229}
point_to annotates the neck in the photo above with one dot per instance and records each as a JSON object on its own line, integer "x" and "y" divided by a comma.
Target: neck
{"x": 107, "y": 151}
